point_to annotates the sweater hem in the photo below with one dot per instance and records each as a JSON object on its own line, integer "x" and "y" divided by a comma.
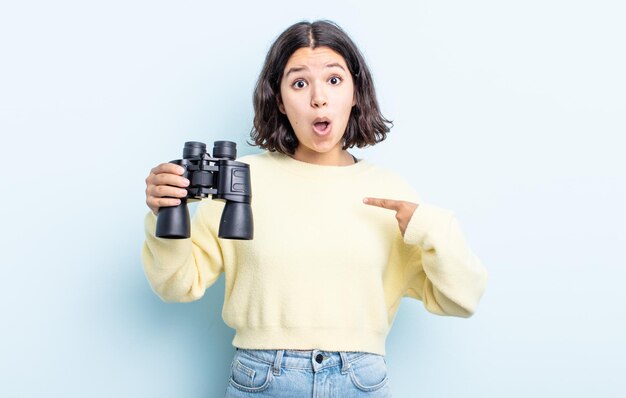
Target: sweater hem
{"x": 349, "y": 340}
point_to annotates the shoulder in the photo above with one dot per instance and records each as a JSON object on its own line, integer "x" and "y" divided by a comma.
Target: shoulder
{"x": 384, "y": 173}
{"x": 262, "y": 159}
{"x": 392, "y": 182}
{"x": 387, "y": 176}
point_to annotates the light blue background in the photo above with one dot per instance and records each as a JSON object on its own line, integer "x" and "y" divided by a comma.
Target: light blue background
{"x": 511, "y": 113}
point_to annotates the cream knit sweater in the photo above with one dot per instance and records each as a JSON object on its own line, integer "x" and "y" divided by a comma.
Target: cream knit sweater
{"x": 324, "y": 270}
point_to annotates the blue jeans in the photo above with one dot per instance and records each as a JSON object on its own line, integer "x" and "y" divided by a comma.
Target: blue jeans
{"x": 307, "y": 374}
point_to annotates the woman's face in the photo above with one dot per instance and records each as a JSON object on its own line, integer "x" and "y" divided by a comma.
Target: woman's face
{"x": 317, "y": 95}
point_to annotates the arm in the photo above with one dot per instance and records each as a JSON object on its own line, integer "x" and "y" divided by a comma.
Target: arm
{"x": 449, "y": 279}
{"x": 179, "y": 269}
{"x": 182, "y": 269}
{"x": 441, "y": 269}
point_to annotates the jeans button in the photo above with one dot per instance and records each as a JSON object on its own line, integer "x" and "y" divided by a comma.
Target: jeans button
{"x": 319, "y": 358}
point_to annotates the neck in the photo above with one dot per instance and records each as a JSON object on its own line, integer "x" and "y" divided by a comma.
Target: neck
{"x": 340, "y": 158}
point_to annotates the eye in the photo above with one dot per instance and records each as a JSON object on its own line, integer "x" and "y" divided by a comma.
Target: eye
{"x": 299, "y": 84}
{"x": 335, "y": 80}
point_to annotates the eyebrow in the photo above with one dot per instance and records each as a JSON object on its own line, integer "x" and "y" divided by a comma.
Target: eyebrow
{"x": 301, "y": 68}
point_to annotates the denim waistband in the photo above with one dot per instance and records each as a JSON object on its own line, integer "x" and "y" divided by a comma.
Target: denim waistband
{"x": 313, "y": 360}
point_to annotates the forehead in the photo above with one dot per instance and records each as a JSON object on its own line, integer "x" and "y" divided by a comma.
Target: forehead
{"x": 315, "y": 57}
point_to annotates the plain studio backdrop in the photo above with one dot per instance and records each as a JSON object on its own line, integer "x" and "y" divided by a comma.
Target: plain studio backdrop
{"x": 510, "y": 113}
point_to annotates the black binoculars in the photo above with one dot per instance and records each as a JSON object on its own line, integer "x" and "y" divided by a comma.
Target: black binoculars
{"x": 220, "y": 176}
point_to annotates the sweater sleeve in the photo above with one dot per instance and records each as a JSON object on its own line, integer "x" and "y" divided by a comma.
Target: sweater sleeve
{"x": 180, "y": 270}
{"x": 443, "y": 272}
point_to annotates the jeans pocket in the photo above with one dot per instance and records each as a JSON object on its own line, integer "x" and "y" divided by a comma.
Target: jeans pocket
{"x": 369, "y": 372}
{"x": 250, "y": 374}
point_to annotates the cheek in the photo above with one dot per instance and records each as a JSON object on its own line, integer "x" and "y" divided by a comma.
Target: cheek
{"x": 350, "y": 96}
{"x": 289, "y": 110}
{"x": 293, "y": 106}
{"x": 349, "y": 103}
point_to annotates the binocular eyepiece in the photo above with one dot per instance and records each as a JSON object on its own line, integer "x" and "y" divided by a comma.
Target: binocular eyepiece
{"x": 219, "y": 176}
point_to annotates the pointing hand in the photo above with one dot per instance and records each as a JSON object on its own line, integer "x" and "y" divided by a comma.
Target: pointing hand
{"x": 404, "y": 210}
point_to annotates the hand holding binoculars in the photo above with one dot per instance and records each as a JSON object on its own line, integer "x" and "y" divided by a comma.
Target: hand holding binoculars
{"x": 219, "y": 176}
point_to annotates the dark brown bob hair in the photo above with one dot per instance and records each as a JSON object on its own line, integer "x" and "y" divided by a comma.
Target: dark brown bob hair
{"x": 272, "y": 130}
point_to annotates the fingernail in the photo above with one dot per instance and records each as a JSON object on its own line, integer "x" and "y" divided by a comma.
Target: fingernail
{"x": 365, "y": 200}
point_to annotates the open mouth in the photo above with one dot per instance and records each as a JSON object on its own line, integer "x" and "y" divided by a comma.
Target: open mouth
{"x": 321, "y": 127}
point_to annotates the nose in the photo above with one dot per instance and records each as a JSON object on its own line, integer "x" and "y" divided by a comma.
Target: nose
{"x": 318, "y": 97}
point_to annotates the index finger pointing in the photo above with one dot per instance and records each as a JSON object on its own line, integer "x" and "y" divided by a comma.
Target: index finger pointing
{"x": 384, "y": 203}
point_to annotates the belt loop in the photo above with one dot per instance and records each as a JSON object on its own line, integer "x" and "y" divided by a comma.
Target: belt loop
{"x": 345, "y": 364}
{"x": 277, "y": 362}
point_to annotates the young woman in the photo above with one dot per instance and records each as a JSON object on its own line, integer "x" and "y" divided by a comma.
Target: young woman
{"x": 338, "y": 241}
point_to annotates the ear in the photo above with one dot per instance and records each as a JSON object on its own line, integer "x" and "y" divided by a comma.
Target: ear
{"x": 281, "y": 107}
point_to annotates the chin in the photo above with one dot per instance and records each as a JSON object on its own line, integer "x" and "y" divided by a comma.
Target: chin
{"x": 323, "y": 150}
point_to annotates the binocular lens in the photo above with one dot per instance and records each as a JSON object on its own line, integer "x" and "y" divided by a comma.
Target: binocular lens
{"x": 193, "y": 149}
{"x": 225, "y": 149}
{"x": 173, "y": 222}
{"x": 236, "y": 222}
